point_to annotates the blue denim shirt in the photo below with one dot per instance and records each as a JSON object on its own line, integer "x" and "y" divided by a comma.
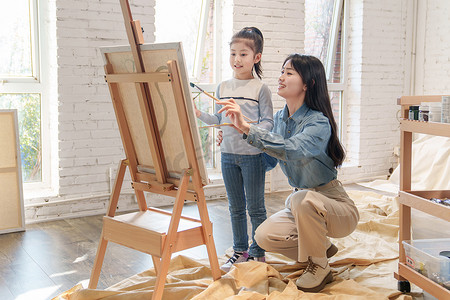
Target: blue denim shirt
{"x": 299, "y": 143}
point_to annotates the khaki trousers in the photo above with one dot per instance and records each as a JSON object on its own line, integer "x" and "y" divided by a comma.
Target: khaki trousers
{"x": 310, "y": 217}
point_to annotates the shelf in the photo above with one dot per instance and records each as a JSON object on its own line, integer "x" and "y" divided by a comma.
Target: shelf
{"x": 147, "y": 231}
{"x": 416, "y": 100}
{"x": 420, "y": 200}
{"x": 433, "y": 128}
{"x": 423, "y": 282}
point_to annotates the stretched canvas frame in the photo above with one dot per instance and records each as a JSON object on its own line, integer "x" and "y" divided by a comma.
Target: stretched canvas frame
{"x": 120, "y": 60}
{"x": 12, "y": 216}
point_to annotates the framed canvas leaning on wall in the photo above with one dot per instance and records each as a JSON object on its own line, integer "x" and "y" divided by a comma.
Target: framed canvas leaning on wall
{"x": 11, "y": 193}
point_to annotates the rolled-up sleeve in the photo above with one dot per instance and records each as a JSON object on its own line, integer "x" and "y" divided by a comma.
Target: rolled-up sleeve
{"x": 308, "y": 142}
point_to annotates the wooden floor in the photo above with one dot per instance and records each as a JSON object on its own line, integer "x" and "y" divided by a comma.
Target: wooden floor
{"x": 49, "y": 258}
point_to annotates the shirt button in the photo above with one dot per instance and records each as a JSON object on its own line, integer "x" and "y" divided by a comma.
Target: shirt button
{"x": 251, "y": 142}
{"x": 284, "y": 163}
{"x": 289, "y": 131}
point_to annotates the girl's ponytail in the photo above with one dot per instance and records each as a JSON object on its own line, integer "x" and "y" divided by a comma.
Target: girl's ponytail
{"x": 256, "y": 36}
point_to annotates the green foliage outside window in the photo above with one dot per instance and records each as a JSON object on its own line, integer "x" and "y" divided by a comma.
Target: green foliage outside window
{"x": 206, "y": 134}
{"x": 29, "y": 114}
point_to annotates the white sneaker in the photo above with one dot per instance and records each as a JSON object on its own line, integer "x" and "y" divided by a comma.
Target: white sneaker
{"x": 314, "y": 278}
{"x": 238, "y": 257}
{"x": 260, "y": 258}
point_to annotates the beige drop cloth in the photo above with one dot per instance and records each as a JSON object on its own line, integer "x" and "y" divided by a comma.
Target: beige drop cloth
{"x": 430, "y": 166}
{"x": 363, "y": 268}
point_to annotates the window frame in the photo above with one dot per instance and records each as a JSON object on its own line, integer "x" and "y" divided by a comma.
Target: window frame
{"x": 340, "y": 9}
{"x": 38, "y": 83}
{"x": 200, "y": 43}
{"x": 200, "y": 47}
{"x": 35, "y": 62}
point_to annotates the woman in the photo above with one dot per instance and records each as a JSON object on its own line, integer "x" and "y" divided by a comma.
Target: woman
{"x": 304, "y": 141}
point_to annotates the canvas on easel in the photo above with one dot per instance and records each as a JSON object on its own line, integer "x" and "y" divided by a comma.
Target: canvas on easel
{"x": 155, "y": 57}
{"x": 154, "y": 111}
{"x": 11, "y": 197}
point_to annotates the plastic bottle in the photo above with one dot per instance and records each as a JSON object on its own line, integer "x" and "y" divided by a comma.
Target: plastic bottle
{"x": 435, "y": 111}
{"x": 413, "y": 112}
{"x": 424, "y": 111}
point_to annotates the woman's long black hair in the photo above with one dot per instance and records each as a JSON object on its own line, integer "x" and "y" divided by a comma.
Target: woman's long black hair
{"x": 316, "y": 97}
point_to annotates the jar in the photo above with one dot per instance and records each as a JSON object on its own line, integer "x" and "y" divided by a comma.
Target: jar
{"x": 435, "y": 111}
{"x": 424, "y": 111}
{"x": 413, "y": 112}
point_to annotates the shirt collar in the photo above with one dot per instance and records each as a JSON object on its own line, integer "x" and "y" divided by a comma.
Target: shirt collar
{"x": 298, "y": 115}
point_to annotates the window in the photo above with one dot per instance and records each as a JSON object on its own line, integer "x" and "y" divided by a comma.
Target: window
{"x": 29, "y": 113}
{"x": 21, "y": 84}
{"x": 195, "y": 28}
{"x": 324, "y": 31}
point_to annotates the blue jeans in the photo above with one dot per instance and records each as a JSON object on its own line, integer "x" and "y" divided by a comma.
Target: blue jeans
{"x": 244, "y": 177}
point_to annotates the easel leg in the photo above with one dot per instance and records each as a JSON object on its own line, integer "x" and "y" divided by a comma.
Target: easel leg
{"x": 156, "y": 264}
{"x": 208, "y": 235}
{"x": 116, "y": 189}
{"x": 170, "y": 238}
{"x": 95, "y": 274}
{"x": 140, "y": 198}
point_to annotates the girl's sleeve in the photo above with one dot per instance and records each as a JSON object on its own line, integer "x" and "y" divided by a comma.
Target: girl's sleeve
{"x": 265, "y": 108}
{"x": 215, "y": 118}
{"x": 307, "y": 143}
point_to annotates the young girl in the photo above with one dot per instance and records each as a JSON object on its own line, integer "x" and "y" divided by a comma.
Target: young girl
{"x": 304, "y": 141}
{"x": 243, "y": 168}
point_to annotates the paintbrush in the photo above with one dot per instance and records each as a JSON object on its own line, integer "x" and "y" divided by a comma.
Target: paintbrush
{"x": 215, "y": 99}
{"x": 223, "y": 124}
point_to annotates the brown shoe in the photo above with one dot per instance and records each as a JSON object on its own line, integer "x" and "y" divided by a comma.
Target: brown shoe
{"x": 314, "y": 278}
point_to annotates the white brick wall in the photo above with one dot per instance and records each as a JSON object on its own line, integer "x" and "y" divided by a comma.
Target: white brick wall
{"x": 88, "y": 138}
{"x": 88, "y": 135}
{"x": 89, "y": 141}
{"x": 376, "y": 63}
{"x": 436, "y": 77}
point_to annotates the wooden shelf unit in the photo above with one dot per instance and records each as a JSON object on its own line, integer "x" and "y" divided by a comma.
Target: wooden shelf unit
{"x": 417, "y": 199}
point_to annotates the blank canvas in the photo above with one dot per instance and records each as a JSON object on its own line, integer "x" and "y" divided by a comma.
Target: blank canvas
{"x": 11, "y": 198}
{"x": 155, "y": 58}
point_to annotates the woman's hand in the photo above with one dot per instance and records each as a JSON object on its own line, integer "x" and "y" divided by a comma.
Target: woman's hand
{"x": 233, "y": 111}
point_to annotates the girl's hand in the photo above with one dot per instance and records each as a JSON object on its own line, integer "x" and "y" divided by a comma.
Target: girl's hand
{"x": 219, "y": 138}
{"x": 197, "y": 112}
{"x": 233, "y": 111}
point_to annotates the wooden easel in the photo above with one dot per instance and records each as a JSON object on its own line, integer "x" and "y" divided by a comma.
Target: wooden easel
{"x": 150, "y": 230}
